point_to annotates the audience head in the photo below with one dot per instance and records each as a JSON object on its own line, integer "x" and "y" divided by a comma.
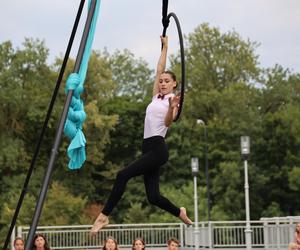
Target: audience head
{"x": 138, "y": 244}
{"x": 110, "y": 243}
{"x": 19, "y": 243}
{"x": 173, "y": 244}
{"x": 40, "y": 242}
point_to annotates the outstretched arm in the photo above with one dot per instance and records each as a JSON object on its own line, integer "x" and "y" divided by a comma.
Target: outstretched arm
{"x": 161, "y": 65}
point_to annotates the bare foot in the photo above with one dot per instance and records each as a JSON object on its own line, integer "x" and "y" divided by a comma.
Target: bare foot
{"x": 100, "y": 222}
{"x": 183, "y": 216}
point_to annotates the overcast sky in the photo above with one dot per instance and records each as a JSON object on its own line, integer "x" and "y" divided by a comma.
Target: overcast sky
{"x": 136, "y": 25}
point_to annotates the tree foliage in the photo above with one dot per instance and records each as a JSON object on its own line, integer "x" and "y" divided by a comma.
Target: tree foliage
{"x": 226, "y": 88}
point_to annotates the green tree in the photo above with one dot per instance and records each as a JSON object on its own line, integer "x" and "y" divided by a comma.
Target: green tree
{"x": 24, "y": 73}
{"x": 60, "y": 208}
{"x": 132, "y": 76}
{"x": 226, "y": 88}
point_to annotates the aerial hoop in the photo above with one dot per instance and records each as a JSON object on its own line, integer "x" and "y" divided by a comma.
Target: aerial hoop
{"x": 165, "y": 21}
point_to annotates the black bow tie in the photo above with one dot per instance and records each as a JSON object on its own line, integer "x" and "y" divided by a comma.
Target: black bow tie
{"x": 161, "y": 96}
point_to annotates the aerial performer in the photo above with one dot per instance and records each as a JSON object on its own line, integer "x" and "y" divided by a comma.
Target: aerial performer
{"x": 160, "y": 114}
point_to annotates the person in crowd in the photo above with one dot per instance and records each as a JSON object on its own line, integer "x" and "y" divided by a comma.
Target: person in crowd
{"x": 40, "y": 242}
{"x": 138, "y": 244}
{"x": 19, "y": 243}
{"x": 110, "y": 243}
{"x": 297, "y": 234}
{"x": 173, "y": 244}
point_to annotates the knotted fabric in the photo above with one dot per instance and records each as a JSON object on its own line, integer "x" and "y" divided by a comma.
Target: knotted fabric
{"x": 76, "y": 114}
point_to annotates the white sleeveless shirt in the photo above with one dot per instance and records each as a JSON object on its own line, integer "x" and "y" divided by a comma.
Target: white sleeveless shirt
{"x": 155, "y": 116}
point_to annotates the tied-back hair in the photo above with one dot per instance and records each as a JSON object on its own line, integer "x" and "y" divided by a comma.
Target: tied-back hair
{"x": 171, "y": 73}
{"x": 110, "y": 238}
{"x": 138, "y": 239}
{"x": 46, "y": 246}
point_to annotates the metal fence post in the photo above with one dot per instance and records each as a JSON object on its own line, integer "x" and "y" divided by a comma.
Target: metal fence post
{"x": 181, "y": 235}
{"x": 210, "y": 231}
{"x": 291, "y": 230}
{"x": 266, "y": 235}
{"x": 277, "y": 234}
{"x": 12, "y": 238}
{"x": 19, "y": 231}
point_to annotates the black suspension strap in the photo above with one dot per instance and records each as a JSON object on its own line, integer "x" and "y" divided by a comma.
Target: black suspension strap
{"x": 165, "y": 22}
{"x": 48, "y": 115}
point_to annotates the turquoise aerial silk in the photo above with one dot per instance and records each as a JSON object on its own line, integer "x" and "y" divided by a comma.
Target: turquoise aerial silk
{"x": 76, "y": 114}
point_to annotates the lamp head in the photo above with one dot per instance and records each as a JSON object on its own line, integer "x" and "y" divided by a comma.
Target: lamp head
{"x": 245, "y": 146}
{"x": 200, "y": 122}
{"x": 195, "y": 165}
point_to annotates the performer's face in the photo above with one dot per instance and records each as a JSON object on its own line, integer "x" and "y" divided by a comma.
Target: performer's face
{"x": 166, "y": 84}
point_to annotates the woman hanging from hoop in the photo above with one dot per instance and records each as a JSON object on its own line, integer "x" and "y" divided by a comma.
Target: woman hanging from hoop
{"x": 159, "y": 116}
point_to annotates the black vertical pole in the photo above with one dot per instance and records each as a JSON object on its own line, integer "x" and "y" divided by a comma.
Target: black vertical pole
{"x": 50, "y": 108}
{"x": 54, "y": 151}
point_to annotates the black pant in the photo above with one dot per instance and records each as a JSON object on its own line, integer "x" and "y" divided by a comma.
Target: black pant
{"x": 155, "y": 154}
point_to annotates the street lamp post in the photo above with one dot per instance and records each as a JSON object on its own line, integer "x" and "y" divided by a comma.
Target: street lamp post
{"x": 201, "y": 122}
{"x": 245, "y": 151}
{"x": 195, "y": 171}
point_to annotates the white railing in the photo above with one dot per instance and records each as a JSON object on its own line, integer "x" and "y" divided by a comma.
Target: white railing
{"x": 225, "y": 234}
{"x": 266, "y": 233}
{"x": 75, "y": 237}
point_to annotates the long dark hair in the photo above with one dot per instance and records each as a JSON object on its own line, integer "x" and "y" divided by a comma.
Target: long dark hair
{"x": 46, "y": 246}
{"x": 138, "y": 239}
